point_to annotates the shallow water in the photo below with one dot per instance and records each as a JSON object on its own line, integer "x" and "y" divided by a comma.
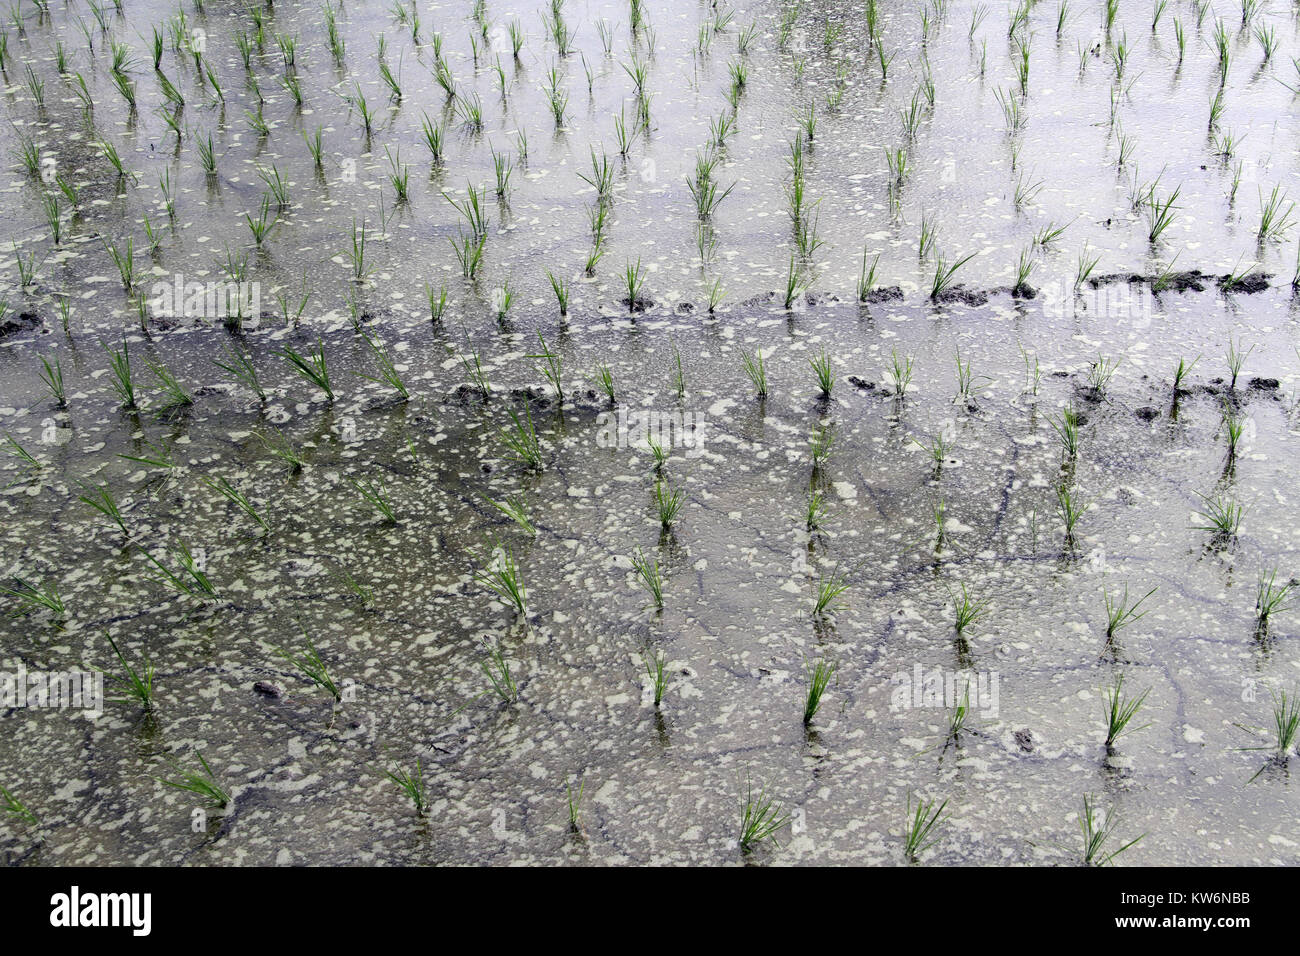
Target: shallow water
{"x": 741, "y": 568}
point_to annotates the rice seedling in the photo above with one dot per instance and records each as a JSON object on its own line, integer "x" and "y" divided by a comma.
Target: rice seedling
{"x": 502, "y": 576}
{"x": 575, "y": 806}
{"x": 33, "y": 597}
{"x": 174, "y": 394}
{"x": 311, "y": 666}
{"x": 207, "y": 154}
{"x": 202, "y": 783}
{"x": 522, "y": 438}
{"x": 375, "y": 495}
{"x": 668, "y": 503}
{"x": 1222, "y": 518}
{"x": 552, "y": 369}
{"x": 761, "y": 819}
{"x": 191, "y": 580}
{"x": 223, "y": 487}
{"x": 137, "y": 685}
{"x": 241, "y": 369}
{"x": 1271, "y": 598}
{"x": 797, "y": 283}
{"x": 922, "y": 824}
{"x": 821, "y": 366}
{"x": 120, "y": 375}
{"x": 1181, "y": 372}
{"x": 311, "y": 367}
{"x": 1286, "y": 726}
{"x": 944, "y": 272}
{"x": 899, "y": 373}
{"x": 500, "y": 680}
{"x": 1235, "y": 359}
{"x": 1099, "y": 831}
{"x": 52, "y": 375}
{"x": 1121, "y": 612}
{"x": 16, "y": 808}
{"x": 756, "y": 370}
{"x": 12, "y": 447}
{"x": 1067, "y": 430}
{"x": 102, "y": 500}
{"x": 1118, "y": 711}
{"x": 1160, "y": 214}
{"x": 829, "y": 589}
{"x": 1275, "y": 218}
{"x": 819, "y": 674}
{"x": 815, "y": 510}
{"x": 965, "y": 610}
{"x": 633, "y": 280}
{"x": 649, "y": 576}
{"x": 1024, "y": 268}
{"x": 514, "y": 509}
{"x": 388, "y": 373}
{"x": 867, "y": 277}
{"x": 1070, "y": 509}
{"x": 411, "y": 784}
{"x": 822, "y": 444}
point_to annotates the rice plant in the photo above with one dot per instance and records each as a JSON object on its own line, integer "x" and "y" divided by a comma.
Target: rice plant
{"x": 650, "y": 576}
{"x": 756, "y": 370}
{"x": 825, "y": 372}
{"x": 1119, "y": 710}
{"x": 311, "y": 366}
{"x": 1070, "y": 509}
{"x": 16, "y": 808}
{"x": 633, "y": 280}
{"x": 1236, "y": 358}
{"x": 500, "y": 680}
{"x": 223, "y": 487}
{"x": 137, "y": 685}
{"x": 965, "y": 610}
{"x": 1286, "y": 726}
{"x": 819, "y": 674}
{"x": 1098, "y": 834}
{"x": 522, "y": 440}
{"x": 1121, "y": 612}
{"x": 1160, "y": 215}
{"x": 668, "y": 503}
{"x": 190, "y": 580}
{"x": 412, "y": 784}
{"x": 656, "y": 669}
{"x": 944, "y": 273}
{"x": 202, "y": 783}
{"x": 502, "y": 576}
{"x": 1275, "y": 215}
{"x": 899, "y": 373}
{"x": 922, "y": 824}
{"x": 1181, "y": 372}
{"x": 52, "y": 375}
{"x": 1222, "y": 518}
{"x": 102, "y": 500}
{"x": 174, "y": 394}
{"x": 761, "y": 819}
{"x": 1271, "y": 598}
{"x": 120, "y": 375}
{"x": 33, "y": 597}
{"x": 830, "y": 587}
{"x": 514, "y": 509}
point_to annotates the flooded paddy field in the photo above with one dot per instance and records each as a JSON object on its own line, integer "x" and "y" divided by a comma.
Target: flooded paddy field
{"x": 772, "y": 433}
